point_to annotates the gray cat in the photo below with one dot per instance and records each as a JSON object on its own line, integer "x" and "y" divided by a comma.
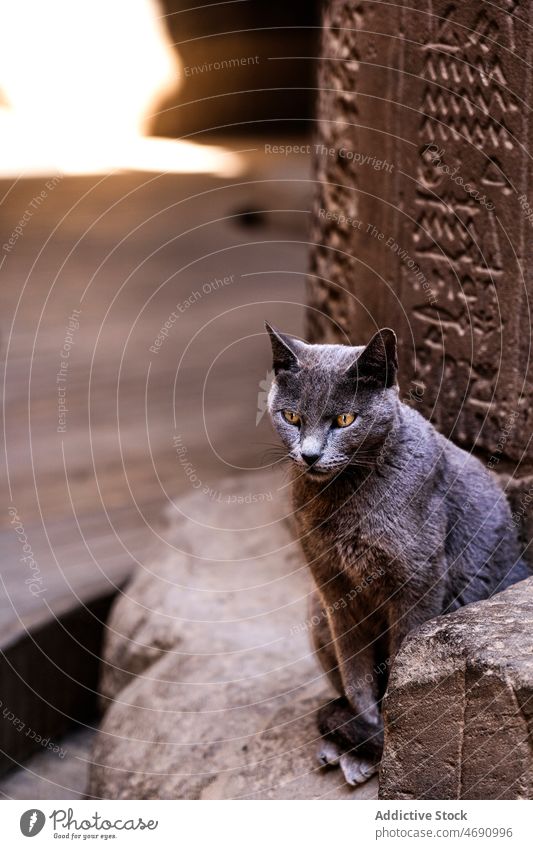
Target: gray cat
{"x": 397, "y": 525}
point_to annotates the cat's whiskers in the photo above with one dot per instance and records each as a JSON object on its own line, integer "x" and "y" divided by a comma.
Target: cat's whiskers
{"x": 274, "y": 453}
{"x": 362, "y": 464}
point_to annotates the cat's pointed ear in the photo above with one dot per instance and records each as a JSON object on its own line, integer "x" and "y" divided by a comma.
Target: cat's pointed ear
{"x": 378, "y": 363}
{"x": 284, "y": 350}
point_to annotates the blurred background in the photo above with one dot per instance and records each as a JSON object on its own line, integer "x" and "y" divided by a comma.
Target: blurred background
{"x": 155, "y": 200}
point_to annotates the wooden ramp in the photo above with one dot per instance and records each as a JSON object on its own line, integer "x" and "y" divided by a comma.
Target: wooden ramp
{"x": 93, "y": 417}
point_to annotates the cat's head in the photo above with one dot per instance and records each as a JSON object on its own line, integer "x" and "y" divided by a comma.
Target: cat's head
{"x": 333, "y": 406}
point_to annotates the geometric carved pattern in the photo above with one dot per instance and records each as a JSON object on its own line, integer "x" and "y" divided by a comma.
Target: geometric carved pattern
{"x": 441, "y": 92}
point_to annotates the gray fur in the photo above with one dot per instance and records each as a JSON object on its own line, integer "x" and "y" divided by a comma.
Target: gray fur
{"x": 397, "y": 523}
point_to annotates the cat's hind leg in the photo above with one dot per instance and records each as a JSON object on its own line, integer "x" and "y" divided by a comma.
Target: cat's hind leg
{"x": 323, "y": 643}
{"x": 328, "y": 752}
{"x": 351, "y": 739}
{"x": 353, "y": 723}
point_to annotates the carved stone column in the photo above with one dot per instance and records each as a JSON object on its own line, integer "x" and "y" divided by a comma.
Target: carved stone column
{"x": 424, "y": 210}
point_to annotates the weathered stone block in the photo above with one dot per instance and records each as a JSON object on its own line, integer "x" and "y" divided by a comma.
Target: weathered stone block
{"x": 459, "y": 707}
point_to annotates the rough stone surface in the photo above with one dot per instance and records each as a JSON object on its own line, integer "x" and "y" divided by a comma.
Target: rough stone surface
{"x": 459, "y": 708}
{"x": 438, "y": 242}
{"x": 49, "y": 775}
{"x": 210, "y": 682}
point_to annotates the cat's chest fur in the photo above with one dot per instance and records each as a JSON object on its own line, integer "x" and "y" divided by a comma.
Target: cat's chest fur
{"x": 343, "y": 534}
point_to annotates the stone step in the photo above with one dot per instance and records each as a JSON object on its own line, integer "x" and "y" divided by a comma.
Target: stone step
{"x": 53, "y": 775}
{"x": 53, "y": 608}
{"x": 209, "y": 677}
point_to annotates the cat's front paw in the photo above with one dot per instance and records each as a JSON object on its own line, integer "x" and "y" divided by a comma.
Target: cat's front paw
{"x": 357, "y": 770}
{"x": 349, "y": 741}
{"x": 328, "y": 753}
{"x": 339, "y": 725}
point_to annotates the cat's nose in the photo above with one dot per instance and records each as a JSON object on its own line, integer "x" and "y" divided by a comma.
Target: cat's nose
{"x": 310, "y": 458}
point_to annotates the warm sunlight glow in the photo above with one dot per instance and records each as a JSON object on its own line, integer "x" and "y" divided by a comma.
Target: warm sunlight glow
{"x": 78, "y": 84}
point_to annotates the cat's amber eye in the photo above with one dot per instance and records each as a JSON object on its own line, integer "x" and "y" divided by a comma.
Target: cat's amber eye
{"x": 292, "y": 418}
{"x": 344, "y": 419}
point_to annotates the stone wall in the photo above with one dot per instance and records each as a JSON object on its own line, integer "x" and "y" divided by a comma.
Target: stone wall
{"x": 421, "y": 218}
